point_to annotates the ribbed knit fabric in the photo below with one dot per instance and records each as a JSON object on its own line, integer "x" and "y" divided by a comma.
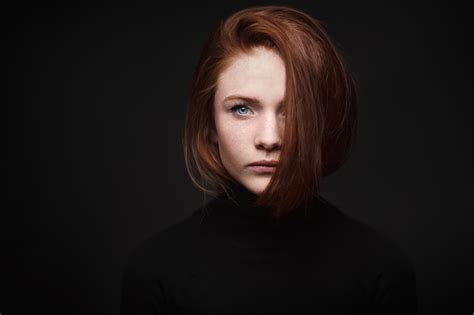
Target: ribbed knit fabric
{"x": 228, "y": 258}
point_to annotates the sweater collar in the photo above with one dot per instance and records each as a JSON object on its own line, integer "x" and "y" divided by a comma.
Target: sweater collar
{"x": 243, "y": 200}
{"x": 238, "y": 219}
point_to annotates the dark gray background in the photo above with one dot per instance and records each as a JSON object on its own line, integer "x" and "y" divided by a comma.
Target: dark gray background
{"x": 96, "y": 101}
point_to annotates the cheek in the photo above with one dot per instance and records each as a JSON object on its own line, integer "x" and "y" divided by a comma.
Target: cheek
{"x": 228, "y": 132}
{"x": 233, "y": 144}
{"x": 228, "y": 141}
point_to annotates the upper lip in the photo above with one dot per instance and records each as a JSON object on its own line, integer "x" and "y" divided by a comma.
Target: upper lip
{"x": 264, "y": 163}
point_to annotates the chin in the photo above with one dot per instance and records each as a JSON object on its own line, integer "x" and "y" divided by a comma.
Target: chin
{"x": 256, "y": 185}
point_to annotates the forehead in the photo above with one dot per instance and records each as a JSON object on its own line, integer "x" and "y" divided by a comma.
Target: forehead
{"x": 260, "y": 74}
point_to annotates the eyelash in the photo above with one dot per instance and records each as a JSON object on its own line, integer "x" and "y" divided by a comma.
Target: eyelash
{"x": 238, "y": 106}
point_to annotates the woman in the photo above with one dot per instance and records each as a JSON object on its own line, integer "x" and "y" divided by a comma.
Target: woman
{"x": 272, "y": 110}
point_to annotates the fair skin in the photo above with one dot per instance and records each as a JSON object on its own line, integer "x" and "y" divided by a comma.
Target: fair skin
{"x": 250, "y": 130}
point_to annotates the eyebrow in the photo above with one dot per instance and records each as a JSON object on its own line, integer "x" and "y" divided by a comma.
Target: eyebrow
{"x": 241, "y": 97}
{"x": 248, "y": 99}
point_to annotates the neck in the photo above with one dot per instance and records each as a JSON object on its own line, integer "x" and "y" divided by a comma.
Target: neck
{"x": 242, "y": 199}
{"x": 236, "y": 217}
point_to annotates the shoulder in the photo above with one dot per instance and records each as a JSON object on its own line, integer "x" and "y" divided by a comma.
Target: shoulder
{"x": 365, "y": 248}
{"x": 146, "y": 277}
{"x": 163, "y": 248}
{"x": 382, "y": 267}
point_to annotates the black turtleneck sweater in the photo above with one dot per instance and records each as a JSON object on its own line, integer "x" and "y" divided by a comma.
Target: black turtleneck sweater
{"x": 232, "y": 259}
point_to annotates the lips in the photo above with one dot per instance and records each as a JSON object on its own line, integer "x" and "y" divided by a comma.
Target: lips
{"x": 261, "y": 169}
{"x": 264, "y": 166}
{"x": 265, "y": 163}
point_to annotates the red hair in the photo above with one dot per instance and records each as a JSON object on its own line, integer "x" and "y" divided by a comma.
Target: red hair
{"x": 320, "y": 104}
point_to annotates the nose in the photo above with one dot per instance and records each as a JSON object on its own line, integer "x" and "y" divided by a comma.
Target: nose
{"x": 268, "y": 134}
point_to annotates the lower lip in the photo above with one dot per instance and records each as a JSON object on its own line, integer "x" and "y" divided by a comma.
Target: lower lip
{"x": 263, "y": 169}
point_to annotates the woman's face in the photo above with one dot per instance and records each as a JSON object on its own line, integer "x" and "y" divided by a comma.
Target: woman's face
{"x": 249, "y": 116}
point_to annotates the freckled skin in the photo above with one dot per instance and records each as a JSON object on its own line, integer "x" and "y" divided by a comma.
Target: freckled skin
{"x": 250, "y": 133}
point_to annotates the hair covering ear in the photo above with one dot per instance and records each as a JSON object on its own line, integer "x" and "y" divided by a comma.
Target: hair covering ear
{"x": 214, "y": 136}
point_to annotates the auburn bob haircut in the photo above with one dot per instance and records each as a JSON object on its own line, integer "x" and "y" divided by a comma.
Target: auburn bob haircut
{"x": 320, "y": 104}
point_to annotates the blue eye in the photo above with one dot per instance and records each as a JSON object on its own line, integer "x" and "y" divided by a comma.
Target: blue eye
{"x": 237, "y": 108}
